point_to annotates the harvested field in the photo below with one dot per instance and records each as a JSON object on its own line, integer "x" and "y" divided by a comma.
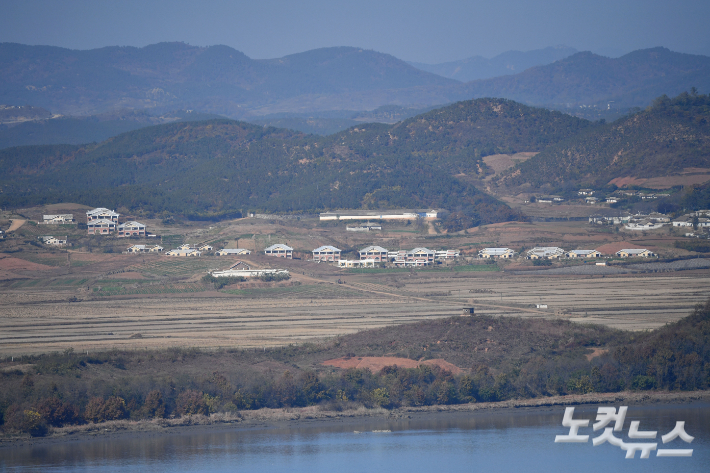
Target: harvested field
{"x": 44, "y": 321}
{"x": 10, "y": 263}
{"x": 593, "y": 270}
{"x": 376, "y": 363}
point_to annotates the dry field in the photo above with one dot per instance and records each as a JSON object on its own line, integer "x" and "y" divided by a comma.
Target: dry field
{"x": 43, "y": 321}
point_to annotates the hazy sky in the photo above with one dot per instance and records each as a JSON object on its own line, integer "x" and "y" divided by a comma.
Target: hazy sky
{"x": 431, "y": 31}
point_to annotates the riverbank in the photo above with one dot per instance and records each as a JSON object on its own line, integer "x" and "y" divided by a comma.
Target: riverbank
{"x": 316, "y": 415}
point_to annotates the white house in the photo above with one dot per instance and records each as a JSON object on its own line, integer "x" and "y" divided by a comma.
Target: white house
{"x": 183, "y": 252}
{"x": 232, "y": 251}
{"x": 545, "y": 252}
{"x": 424, "y": 255}
{"x": 643, "y": 225}
{"x": 375, "y": 253}
{"x": 205, "y": 248}
{"x": 130, "y": 229}
{"x": 634, "y": 252}
{"x": 505, "y": 253}
{"x": 57, "y": 219}
{"x": 101, "y": 227}
{"x": 326, "y": 253}
{"x": 101, "y": 213}
{"x": 279, "y": 250}
{"x": 447, "y": 254}
{"x": 50, "y": 240}
{"x": 584, "y": 254}
{"x": 687, "y": 221}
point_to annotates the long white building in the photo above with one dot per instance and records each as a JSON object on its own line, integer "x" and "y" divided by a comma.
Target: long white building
{"x": 380, "y": 214}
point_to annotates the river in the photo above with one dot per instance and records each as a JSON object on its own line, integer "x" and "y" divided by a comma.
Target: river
{"x": 518, "y": 440}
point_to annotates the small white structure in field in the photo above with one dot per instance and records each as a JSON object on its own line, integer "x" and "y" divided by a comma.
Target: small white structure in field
{"x": 232, "y": 251}
{"x": 50, "y": 240}
{"x": 248, "y": 273}
{"x": 361, "y": 263}
{"x": 57, "y": 219}
{"x": 144, "y": 249}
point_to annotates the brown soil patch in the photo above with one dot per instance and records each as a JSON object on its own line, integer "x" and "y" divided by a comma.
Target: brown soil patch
{"x": 595, "y": 353}
{"x": 9, "y": 263}
{"x": 612, "y": 248}
{"x": 376, "y": 363}
{"x": 663, "y": 182}
{"x": 501, "y": 162}
{"x": 16, "y": 223}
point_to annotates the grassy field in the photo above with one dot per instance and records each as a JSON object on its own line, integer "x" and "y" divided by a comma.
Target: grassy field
{"x": 315, "y": 291}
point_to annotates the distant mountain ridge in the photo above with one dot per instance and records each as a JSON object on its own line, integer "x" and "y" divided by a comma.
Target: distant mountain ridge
{"x": 45, "y": 129}
{"x": 223, "y": 81}
{"x": 634, "y": 79}
{"x": 507, "y": 63}
{"x": 214, "y": 79}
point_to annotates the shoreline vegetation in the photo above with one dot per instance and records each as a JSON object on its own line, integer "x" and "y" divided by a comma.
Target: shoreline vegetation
{"x": 267, "y": 417}
{"x": 458, "y": 361}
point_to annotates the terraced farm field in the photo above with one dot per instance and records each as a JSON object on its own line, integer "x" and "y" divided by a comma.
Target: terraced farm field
{"x": 120, "y": 290}
{"x": 171, "y": 267}
{"x": 37, "y": 320}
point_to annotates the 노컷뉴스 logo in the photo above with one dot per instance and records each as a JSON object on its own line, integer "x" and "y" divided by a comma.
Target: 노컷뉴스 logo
{"x": 607, "y": 414}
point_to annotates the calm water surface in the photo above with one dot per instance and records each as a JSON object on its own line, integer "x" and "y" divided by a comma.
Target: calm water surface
{"x": 487, "y": 442}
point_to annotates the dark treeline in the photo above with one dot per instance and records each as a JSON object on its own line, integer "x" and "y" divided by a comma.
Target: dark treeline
{"x": 62, "y": 392}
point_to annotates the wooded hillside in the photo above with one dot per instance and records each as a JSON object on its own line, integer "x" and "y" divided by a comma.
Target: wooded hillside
{"x": 663, "y": 140}
{"x": 216, "y": 167}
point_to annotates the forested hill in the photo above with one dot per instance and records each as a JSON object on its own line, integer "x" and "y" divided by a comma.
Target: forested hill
{"x": 664, "y": 140}
{"x": 222, "y": 166}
